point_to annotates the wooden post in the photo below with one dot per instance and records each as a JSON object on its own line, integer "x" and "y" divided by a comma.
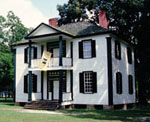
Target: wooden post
{"x": 60, "y": 86}
{"x": 30, "y": 74}
{"x": 60, "y": 51}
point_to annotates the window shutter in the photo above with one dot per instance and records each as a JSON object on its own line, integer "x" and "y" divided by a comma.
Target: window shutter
{"x": 117, "y": 50}
{"x": 50, "y": 83}
{"x": 94, "y": 82}
{"x": 80, "y": 49}
{"x": 119, "y": 82}
{"x": 64, "y": 48}
{"x": 26, "y": 55}
{"x": 34, "y": 83}
{"x": 130, "y": 78}
{"x": 93, "y": 43}
{"x": 81, "y": 83}
{"x": 129, "y": 54}
{"x": 26, "y": 84}
{"x": 35, "y": 52}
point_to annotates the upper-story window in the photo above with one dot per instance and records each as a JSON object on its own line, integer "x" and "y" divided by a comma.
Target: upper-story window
{"x": 87, "y": 49}
{"x": 117, "y": 50}
{"x": 33, "y": 54}
{"x": 129, "y": 55}
{"x": 88, "y": 82}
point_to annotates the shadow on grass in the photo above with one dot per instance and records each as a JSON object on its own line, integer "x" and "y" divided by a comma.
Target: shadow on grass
{"x": 7, "y": 102}
{"x": 117, "y": 115}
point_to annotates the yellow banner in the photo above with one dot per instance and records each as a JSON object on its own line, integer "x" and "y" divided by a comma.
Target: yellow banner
{"x": 46, "y": 56}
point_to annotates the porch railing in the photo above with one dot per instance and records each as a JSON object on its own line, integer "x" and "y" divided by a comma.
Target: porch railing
{"x": 54, "y": 62}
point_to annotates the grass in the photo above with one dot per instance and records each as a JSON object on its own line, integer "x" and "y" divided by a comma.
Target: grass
{"x": 77, "y": 115}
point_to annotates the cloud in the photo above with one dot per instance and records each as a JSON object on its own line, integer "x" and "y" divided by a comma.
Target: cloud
{"x": 28, "y": 14}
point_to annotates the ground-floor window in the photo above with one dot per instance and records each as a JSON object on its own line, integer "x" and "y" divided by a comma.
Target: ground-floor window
{"x": 88, "y": 82}
{"x": 34, "y": 83}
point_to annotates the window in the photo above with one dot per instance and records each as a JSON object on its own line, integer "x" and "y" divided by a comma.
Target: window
{"x": 33, "y": 54}
{"x": 34, "y": 83}
{"x": 119, "y": 83}
{"x": 130, "y": 83}
{"x": 87, "y": 49}
{"x": 87, "y": 53}
{"x": 129, "y": 55}
{"x": 88, "y": 82}
{"x": 117, "y": 50}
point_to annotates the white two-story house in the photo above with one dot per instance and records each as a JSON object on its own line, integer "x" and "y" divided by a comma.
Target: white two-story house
{"x": 89, "y": 67}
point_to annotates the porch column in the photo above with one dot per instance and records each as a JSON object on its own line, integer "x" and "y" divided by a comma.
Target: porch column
{"x": 60, "y": 51}
{"x": 30, "y": 74}
{"x": 60, "y": 86}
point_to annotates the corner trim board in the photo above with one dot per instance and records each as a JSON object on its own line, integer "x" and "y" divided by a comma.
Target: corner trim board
{"x": 110, "y": 80}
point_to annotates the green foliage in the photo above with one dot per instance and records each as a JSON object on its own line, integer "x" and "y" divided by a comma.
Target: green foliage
{"x": 11, "y": 31}
{"x": 6, "y": 67}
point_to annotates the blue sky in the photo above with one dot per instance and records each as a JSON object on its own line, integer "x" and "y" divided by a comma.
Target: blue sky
{"x": 31, "y": 12}
{"x": 48, "y": 7}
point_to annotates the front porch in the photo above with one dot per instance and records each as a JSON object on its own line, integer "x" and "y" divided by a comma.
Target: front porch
{"x": 56, "y": 78}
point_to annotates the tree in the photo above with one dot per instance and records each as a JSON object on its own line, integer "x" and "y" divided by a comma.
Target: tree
{"x": 11, "y": 31}
{"x": 131, "y": 21}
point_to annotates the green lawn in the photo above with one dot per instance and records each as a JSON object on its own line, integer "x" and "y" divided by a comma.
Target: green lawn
{"x": 72, "y": 115}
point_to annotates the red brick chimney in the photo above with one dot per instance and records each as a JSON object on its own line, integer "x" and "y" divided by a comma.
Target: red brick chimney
{"x": 53, "y": 22}
{"x": 103, "y": 19}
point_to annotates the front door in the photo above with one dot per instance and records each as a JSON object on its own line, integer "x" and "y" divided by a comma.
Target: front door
{"x": 56, "y": 90}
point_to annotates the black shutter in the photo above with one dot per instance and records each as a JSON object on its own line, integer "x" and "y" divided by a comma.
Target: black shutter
{"x": 64, "y": 48}
{"x": 129, "y": 54}
{"x": 93, "y": 43}
{"x": 117, "y": 50}
{"x": 51, "y": 50}
{"x": 81, "y": 83}
{"x": 35, "y": 53}
{"x": 119, "y": 82}
{"x": 50, "y": 86}
{"x": 34, "y": 83}
{"x": 26, "y": 84}
{"x": 130, "y": 79}
{"x": 80, "y": 49}
{"x": 94, "y": 82}
{"x": 26, "y": 55}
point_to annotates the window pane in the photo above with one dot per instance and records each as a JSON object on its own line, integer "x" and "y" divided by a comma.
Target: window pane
{"x": 87, "y": 51}
{"x": 88, "y": 84}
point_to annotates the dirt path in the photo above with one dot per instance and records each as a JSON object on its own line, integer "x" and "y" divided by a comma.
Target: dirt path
{"x": 32, "y": 111}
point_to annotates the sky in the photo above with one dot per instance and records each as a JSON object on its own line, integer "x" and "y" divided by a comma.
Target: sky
{"x": 31, "y": 12}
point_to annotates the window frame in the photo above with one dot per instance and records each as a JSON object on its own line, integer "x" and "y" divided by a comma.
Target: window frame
{"x": 81, "y": 49}
{"x": 84, "y": 51}
{"x": 93, "y": 82}
{"x": 27, "y": 81}
{"x": 33, "y": 53}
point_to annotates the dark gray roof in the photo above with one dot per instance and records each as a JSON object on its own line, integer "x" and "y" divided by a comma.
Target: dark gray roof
{"x": 82, "y": 28}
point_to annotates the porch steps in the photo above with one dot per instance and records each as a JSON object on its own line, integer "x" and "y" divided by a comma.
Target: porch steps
{"x": 42, "y": 105}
